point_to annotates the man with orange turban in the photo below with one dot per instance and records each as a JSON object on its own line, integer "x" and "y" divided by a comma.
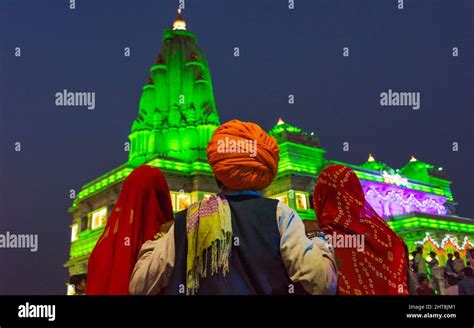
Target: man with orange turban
{"x": 237, "y": 242}
{"x": 243, "y": 156}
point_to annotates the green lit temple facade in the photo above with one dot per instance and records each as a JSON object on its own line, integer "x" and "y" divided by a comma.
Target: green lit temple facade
{"x": 176, "y": 118}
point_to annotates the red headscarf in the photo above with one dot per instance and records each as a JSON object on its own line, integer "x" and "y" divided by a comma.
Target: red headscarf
{"x": 143, "y": 206}
{"x": 341, "y": 209}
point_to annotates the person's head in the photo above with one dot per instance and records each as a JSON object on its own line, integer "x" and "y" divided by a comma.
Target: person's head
{"x": 424, "y": 281}
{"x": 433, "y": 255}
{"x": 450, "y": 256}
{"x": 413, "y": 254}
{"x": 467, "y": 271}
{"x": 243, "y": 156}
{"x": 332, "y": 182}
{"x": 147, "y": 185}
{"x": 80, "y": 283}
{"x": 457, "y": 255}
{"x": 452, "y": 280}
{"x": 419, "y": 250}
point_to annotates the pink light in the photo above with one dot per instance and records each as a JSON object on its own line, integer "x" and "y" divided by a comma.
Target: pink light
{"x": 389, "y": 200}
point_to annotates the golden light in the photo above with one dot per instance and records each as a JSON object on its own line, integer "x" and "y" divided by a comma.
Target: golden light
{"x": 183, "y": 201}
{"x": 179, "y": 23}
{"x": 99, "y": 218}
{"x": 301, "y": 201}
{"x": 280, "y": 121}
{"x": 371, "y": 158}
{"x": 413, "y": 159}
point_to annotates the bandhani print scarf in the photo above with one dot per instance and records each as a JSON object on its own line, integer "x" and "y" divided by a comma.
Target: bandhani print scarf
{"x": 208, "y": 229}
{"x": 341, "y": 209}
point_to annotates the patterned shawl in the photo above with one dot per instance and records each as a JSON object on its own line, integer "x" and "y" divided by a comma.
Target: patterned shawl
{"x": 341, "y": 209}
{"x": 209, "y": 229}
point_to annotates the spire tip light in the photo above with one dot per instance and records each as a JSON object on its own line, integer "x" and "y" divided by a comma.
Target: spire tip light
{"x": 179, "y": 23}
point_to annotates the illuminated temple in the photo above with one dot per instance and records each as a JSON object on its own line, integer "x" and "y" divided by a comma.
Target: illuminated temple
{"x": 176, "y": 118}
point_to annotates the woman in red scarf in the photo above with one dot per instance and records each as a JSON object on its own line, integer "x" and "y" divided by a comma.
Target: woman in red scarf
{"x": 341, "y": 210}
{"x": 143, "y": 207}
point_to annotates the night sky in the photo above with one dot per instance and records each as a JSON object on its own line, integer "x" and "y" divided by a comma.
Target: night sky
{"x": 282, "y": 52}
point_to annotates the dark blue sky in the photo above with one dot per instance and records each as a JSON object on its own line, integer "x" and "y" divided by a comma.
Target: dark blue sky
{"x": 282, "y": 52}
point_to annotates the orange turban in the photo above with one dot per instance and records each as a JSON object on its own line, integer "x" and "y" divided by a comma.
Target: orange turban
{"x": 243, "y": 156}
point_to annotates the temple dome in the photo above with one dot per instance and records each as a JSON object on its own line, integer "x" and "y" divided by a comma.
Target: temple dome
{"x": 375, "y": 165}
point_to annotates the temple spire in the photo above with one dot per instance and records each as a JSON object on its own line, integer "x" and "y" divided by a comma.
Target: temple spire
{"x": 179, "y": 23}
{"x": 177, "y": 112}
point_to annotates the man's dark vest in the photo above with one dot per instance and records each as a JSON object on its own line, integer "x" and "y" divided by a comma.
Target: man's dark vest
{"x": 255, "y": 263}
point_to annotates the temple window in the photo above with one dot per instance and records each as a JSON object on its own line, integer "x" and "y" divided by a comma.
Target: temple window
{"x": 74, "y": 231}
{"x": 301, "y": 203}
{"x": 180, "y": 201}
{"x": 99, "y": 218}
{"x": 173, "y": 201}
{"x": 84, "y": 223}
{"x": 183, "y": 201}
{"x": 282, "y": 198}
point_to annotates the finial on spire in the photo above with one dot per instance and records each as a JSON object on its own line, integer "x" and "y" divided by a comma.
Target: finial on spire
{"x": 179, "y": 23}
{"x": 371, "y": 158}
{"x": 413, "y": 159}
{"x": 280, "y": 121}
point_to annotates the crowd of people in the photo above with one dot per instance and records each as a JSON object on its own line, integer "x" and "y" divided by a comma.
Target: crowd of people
{"x": 429, "y": 277}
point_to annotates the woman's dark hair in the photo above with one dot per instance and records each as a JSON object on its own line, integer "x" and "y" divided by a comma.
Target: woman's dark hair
{"x": 468, "y": 271}
{"x": 76, "y": 279}
{"x": 452, "y": 280}
{"x": 422, "y": 278}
